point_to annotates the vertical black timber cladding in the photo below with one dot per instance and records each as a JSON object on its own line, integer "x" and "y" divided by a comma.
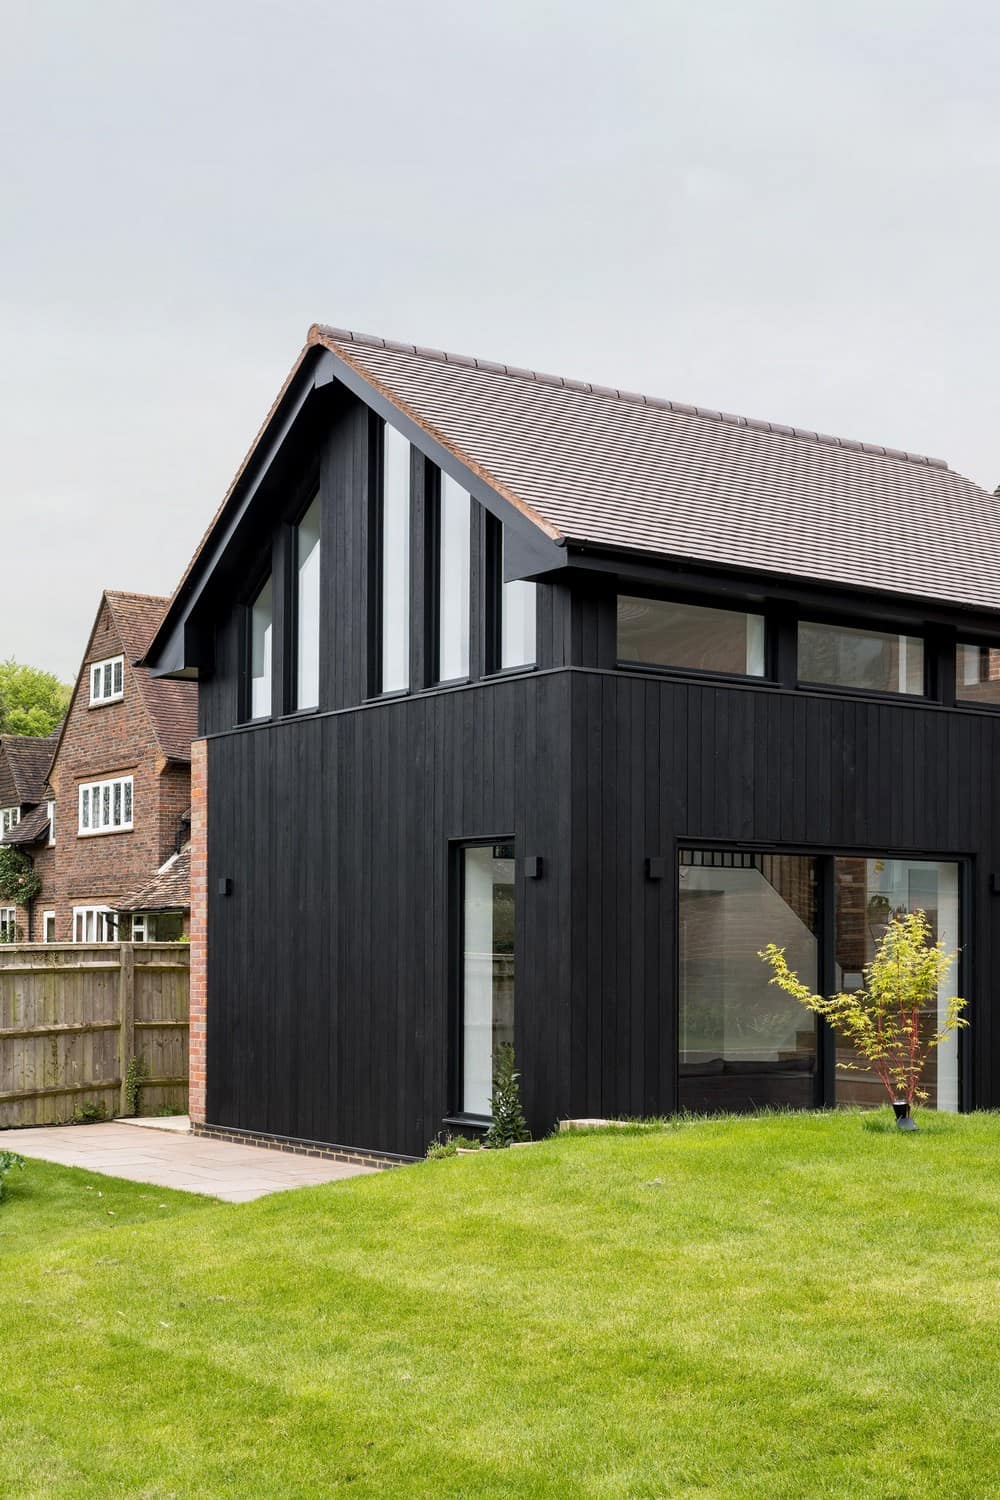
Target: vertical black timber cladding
{"x": 329, "y": 963}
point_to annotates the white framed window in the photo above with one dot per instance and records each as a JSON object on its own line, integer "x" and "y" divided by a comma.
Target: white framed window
{"x": 48, "y": 926}
{"x": 9, "y": 818}
{"x": 107, "y": 680}
{"x": 52, "y": 823}
{"x": 106, "y": 806}
{"x": 94, "y": 924}
{"x": 8, "y": 924}
{"x": 139, "y": 927}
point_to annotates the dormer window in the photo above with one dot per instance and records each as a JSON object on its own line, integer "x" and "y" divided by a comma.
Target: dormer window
{"x": 9, "y": 818}
{"x": 107, "y": 680}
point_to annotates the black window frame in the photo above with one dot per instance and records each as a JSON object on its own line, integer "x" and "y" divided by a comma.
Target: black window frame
{"x": 432, "y": 507}
{"x": 875, "y": 627}
{"x": 306, "y": 493}
{"x": 825, "y": 856}
{"x": 769, "y": 677}
{"x": 457, "y": 1115}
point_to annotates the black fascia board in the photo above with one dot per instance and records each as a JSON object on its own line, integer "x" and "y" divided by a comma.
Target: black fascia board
{"x": 693, "y": 575}
{"x": 174, "y": 649}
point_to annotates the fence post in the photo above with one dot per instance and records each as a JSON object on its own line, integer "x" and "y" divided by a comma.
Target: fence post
{"x": 126, "y": 1016}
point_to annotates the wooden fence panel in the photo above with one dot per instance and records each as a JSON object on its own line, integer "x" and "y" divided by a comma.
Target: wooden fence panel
{"x": 73, "y": 1015}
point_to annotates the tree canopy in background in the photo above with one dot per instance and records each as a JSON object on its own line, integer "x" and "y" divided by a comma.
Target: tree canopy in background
{"x": 31, "y": 701}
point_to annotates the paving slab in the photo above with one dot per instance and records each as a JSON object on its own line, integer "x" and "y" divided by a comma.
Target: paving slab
{"x": 167, "y": 1158}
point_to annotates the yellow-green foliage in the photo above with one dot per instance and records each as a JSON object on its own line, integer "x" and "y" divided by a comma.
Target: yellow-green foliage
{"x": 886, "y": 1021}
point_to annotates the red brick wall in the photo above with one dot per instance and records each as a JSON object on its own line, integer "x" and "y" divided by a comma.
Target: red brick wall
{"x": 99, "y": 743}
{"x": 199, "y": 929}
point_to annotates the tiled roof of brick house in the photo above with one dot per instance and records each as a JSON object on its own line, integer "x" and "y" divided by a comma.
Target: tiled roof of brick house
{"x": 172, "y": 706}
{"x": 29, "y": 758}
{"x": 32, "y": 829}
{"x": 167, "y": 890}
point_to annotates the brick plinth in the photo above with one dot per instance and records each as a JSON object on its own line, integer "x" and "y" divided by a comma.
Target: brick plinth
{"x": 199, "y": 930}
{"x": 380, "y": 1159}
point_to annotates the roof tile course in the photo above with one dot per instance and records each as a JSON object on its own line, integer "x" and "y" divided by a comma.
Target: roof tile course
{"x": 622, "y": 470}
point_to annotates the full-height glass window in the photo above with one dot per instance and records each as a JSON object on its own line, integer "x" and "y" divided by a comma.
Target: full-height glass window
{"x": 665, "y": 634}
{"x": 869, "y": 893}
{"x": 454, "y": 550}
{"x": 307, "y": 563}
{"x": 977, "y": 674}
{"x": 842, "y": 656}
{"x": 395, "y": 562}
{"x": 487, "y": 1008}
{"x": 518, "y": 613}
{"x": 743, "y": 1043}
{"x": 261, "y": 639}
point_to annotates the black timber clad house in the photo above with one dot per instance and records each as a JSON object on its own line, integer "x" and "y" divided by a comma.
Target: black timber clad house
{"x": 751, "y": 694}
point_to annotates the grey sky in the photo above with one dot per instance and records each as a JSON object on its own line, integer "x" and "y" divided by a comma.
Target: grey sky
{"x": 787, "y": 210}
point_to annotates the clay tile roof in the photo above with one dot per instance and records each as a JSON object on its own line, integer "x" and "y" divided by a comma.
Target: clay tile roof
{"x": 29, "y": 758}
{"x": 32, "y": 829}
{"x": 167, "y": 890}
{"x": 172, "y": 706}
{"x": 601, "y": 466}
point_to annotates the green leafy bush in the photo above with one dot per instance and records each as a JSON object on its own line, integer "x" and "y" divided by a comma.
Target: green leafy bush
{"x": 886, "y": 1020}
{"x": 509, "y": 1124}
{"x": 8, "y": 1161}
{"x": 19, "y": 882}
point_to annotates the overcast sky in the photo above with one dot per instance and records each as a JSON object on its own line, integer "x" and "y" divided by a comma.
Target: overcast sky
{"x": 785, "y": 210}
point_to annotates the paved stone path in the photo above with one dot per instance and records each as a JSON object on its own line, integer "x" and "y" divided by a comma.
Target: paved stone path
{"x": 166, "y": 1156}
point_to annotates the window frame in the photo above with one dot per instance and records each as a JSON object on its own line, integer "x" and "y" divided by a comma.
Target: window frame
{"x": 493, "y": 604}
{"x": 972, "y": 705}
{"x": 435, "y": 494}
{"x": 47, "y": 917}
{"x": 376, "y": 560}
{"x": 872, "y": 627}
{"x": 265, "y": 574}
{"x": 825, "y": 856}
{"x": 314, "y": 495}
{"x": 101, "y": 699}
{"x": 8, "y": 921}
{"x": 51, "y": 805}
{"x": 457, "y": 1115}
{"x": 9, "y": 818}
{"x": 90, "y": 787}
{"x": 758, "y": 608}
{"x": 99, "y": 914}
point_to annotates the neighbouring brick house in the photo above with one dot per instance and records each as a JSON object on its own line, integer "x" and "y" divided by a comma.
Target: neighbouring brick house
{"x": 119, "y": 784}
{"x": 25, "y": 817}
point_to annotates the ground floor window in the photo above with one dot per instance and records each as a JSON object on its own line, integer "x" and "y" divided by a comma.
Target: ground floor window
{"x": 48, "y": 926}
{"x": 95, "y": 924}
{"x": 487, "y": 967}
{"x": 743, "y": 1044}
{"x": 157, "y": 927}
{"x": 8, "y": 924}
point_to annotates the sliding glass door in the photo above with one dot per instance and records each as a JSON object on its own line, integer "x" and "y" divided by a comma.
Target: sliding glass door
{"x": 743, "y": 1044}
{"x": 868, "y": 894}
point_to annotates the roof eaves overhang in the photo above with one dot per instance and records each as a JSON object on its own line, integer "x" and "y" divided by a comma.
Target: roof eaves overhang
{"x": 664, "y": 570}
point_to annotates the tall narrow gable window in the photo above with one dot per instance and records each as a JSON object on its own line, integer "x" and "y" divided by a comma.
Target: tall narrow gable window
{"x": 107, "y": 680}
{"x": 518, "y": 611}
{"x": 394, "y": 563}
{"x": 454, "y": 550}
{"x": 307, "y": 563}
{"x": 261, "y": 634}
{"x": 106, "y": 806}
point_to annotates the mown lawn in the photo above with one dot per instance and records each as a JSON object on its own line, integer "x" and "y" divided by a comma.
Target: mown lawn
{"x": 783, "y": 1307}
